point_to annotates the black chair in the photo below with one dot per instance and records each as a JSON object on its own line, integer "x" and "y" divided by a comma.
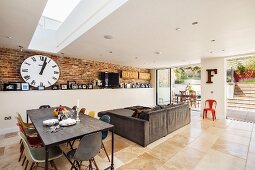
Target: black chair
{"x": 44, "y": 106}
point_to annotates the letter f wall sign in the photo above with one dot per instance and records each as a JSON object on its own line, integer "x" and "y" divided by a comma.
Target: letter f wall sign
{"x": 210, "y": 74}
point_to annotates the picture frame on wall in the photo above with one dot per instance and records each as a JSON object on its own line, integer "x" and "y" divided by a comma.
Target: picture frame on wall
{"x": 74, "y": 86}
{"x": 18, "y": 85}
{"x": 90, "y": 86}
{"x": 24, "y": 86}
{"x": 54, "y": 87}
{"x": 80, "y": 86}
{"x": 84, "y": 86}
{"x": 41, "y": 88}
{"x": 70, "y": 83}
{"x": 10, "y": 87}
{"x": 63, "y": 86}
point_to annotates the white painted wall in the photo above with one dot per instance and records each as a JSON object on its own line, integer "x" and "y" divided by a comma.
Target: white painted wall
{"x": 95, "y": 99}
{"x": 216, "y": 90}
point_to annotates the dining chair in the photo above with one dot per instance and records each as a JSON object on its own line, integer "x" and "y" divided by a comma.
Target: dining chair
{"x": 37, "y": 155}
{"x": 182, "y": 96}
{"x": 44, "y": 106}
{"x": 25, "y": 125}
{"x": 210, "y": 105}
{"x": 105, "y": 118}
{"x": 92, "y": 114}
{"x": 193, "y": 98}
{"x": 88, "y": 148}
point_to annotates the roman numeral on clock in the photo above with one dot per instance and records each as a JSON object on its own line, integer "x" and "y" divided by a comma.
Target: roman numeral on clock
{"x": 27, "y": 77}
{"x": 24, "y": 70}
{"x": 54, "y": 78}
{"x": 41, "y": 58}
{"x": 41, "y": 84}
{"x": 56, "y": 72}
{"x": 33, "y": 82}
{"x": 27, "y": 63}
{"x": 33, "y": 58}
{"x": 49, "y": 83}
{"x": 54, "y": 66}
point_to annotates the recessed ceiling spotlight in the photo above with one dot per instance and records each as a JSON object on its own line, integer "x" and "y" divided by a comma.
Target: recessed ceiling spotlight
{"x": 110, "y": 52}
{"x": 157, "y": 52}
{"x": 194, "y": 23}
{"x": 108, "y": 37}
{"x": 222, "y": 50}
{"x": 136, "y": 58}
{"x": 4, "y": 36}
{"x": 20, "y": 48}
{"x": 177, "y": 29}
{"x": 211, "y": 52}
{"x": 212, "y": 40}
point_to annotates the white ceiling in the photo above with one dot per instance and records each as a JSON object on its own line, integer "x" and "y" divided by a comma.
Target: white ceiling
{"x": 18, "y": 19}
{"x": 140, "y": 28}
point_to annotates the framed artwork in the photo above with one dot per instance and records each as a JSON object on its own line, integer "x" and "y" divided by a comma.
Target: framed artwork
{"x": 80, "y": 86}
{"x": 90, "y": 86}
{"x": 63, "y": 86}
{"x": 24, "y": 86}
{"x": 18, "y": 85}
{"x": 74, "y": 86}
{"x": 70, "y": 83}
{"x": 54, "y": 87}
{"x": 41, "y": 88}
{"x": 10, "y": 87}
{"x": 84, "y": 86}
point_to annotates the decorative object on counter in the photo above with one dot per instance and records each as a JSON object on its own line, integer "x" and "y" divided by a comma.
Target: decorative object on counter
{"x": 137, "y": 85}
{"x": 55, "y": 87}
{"x": 133, "y": 85}
{"x": 41, "y": 88}
{"x": 129, "y": 74}
{"x": 84, "y": 86}
{"x": 74, "y": 86}
{"x": 144, "y": 76}
{"x": 63, "y": 86}
{"x": 80, "y": 86}
{"x": 18, "y": 85}
{"x": 70, "y": 83}
{"x": 122, "y": 85}
{"x": 67, "y": 122}
{"x": 77, "y": 110}
{"x": 10, "y": 87}
{"x": 1, "y": 87}
{"x": 90, "y": 86}
{"x": 24, "y": 86}
{"x": 127, "y": 85}
{"x": 50, "y": 122}
{"x": 142, "y": 85}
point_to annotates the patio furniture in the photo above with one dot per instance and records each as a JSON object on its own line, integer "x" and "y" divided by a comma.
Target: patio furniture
{"x": 86, "y": 126}
{"x": 193, "y": 98}
{"x": 182, "y": 96}
{"x": 210, "y": 105}
{"x": 88, "y": 148}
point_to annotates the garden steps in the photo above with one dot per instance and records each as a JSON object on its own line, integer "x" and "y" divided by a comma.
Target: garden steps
{"x": 244, "y": 97}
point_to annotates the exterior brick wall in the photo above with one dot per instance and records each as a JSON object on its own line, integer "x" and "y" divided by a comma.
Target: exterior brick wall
{"x": 80, "y": 70}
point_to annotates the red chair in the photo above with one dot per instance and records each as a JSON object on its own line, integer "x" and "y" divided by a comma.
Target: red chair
{"x": 211, "y": 107}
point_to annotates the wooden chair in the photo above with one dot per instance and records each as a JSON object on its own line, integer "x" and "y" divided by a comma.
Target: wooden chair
{"x": 105, "y": 118}
{"x": 44, "y": 106}
{"x": 210, "y": 105}
{"x": 82, "y": 111}
{"x": 182, "y": 96}
{"x": 193, "y": 98}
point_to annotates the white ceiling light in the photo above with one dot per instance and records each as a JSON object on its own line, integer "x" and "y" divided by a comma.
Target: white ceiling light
{"x": 157, "y": 52}
{"x": 177, "y": 29}
{"x": 108, "y": 37}
{"x": 20, "y": 48}
{"x": 212, "y": 40}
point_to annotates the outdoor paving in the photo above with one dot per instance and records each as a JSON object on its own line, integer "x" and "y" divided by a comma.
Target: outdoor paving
{"x": 242, "y": 115}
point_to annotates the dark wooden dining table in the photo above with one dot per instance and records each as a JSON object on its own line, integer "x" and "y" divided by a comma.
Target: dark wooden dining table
{"x": 86, "y": 126}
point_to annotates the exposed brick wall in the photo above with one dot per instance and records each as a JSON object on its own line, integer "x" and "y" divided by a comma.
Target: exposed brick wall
{"x": 81, "y": 70}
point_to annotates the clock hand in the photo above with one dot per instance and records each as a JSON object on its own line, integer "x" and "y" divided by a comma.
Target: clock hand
{"x": 43, "y": 67}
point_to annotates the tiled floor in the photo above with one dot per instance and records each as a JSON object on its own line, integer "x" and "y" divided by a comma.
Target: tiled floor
{"x": 202, "y": 145}
{"x": 241, "y": 114}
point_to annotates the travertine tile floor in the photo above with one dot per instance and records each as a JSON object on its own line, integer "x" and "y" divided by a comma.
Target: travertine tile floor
{"x": 202, "y": 145}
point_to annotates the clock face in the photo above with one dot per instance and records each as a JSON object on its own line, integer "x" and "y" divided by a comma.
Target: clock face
{"x": 40, "y": 70}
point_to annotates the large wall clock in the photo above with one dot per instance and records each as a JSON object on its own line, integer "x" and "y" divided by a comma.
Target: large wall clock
{"x": 39, "y": 70}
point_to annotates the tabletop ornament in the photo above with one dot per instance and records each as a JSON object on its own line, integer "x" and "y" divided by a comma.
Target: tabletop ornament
{"x": 77, "y": 111}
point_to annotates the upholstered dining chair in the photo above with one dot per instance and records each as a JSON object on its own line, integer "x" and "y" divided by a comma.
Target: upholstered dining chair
{"x": 44, "y": 106}
{"x": 105, "y": 118}
{"x": 88, "y": 148}
{"x": 25, "y": 125}
{"x": 37, "y": 155}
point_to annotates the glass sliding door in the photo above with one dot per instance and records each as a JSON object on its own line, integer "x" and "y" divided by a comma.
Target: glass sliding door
{"x": 163, "y": 86}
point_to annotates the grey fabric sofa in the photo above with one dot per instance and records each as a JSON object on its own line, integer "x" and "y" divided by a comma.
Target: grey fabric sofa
{"x": 151, "y": 124}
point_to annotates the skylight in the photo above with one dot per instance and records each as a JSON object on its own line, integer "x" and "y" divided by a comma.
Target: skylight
{"x": 59, "y": 9}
